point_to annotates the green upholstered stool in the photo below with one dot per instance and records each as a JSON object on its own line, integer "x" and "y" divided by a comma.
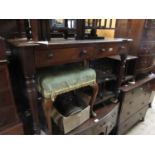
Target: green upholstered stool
{"x": 52, "y": 83}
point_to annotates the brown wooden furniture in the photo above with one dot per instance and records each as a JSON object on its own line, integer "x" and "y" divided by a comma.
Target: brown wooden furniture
{"x": 142, "y": 32}
{"x": 134, "y": 103}
{"x": 103, "y": 124}
{"x": 124, "y": 69}
{"x": 34, "y": 55}
{"x": 9, "y": 120}
{"x": 47, "y": 104}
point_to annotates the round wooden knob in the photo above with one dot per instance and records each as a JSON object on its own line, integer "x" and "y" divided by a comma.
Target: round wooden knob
{"x": 110, "y": 49}
{"x": 102, "y": 50}
{"x": 50, "y": 55}
{"x": 83, "y": 52}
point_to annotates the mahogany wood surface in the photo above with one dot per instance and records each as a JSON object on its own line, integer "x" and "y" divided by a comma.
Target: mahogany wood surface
{"x": 34, "y": 55}
{"x": 8, "y": 111}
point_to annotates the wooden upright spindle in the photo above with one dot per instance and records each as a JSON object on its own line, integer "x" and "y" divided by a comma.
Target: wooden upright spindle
{"x": 21, "y": 28}
{"x": 34, "y": 29}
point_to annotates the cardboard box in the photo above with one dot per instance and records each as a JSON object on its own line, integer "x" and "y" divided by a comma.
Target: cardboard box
{"x": 66, "y": 124}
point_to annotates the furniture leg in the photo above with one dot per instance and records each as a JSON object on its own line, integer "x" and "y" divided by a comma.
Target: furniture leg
{"x": 47, "y": 106}
{"x": 95, "y": 91}
{"x": 32, "y": 98}
{"x": 27, "y": 63}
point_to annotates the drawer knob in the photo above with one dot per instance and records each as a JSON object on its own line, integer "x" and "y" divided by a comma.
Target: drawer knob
{"x": 125, "y": 125}
{"x": 102, "y": 50}
{"x": 128, "y": 113}
{"x": 110, "y": 49}
{"x": 130, "y": 102}
{"x": 83, "y": 52}
{"x": 50, "y": 55}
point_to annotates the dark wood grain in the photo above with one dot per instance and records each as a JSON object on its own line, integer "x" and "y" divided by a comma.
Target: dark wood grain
{"x": 104, "y": 116}
{"x": 133, "y": 120}
{"x": 8, "y": 111}
{"x": 34, "y": 55}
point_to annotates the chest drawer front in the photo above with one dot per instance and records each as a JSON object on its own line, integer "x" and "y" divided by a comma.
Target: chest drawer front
{"x": 104, "y": 126}
{"x": 5, "y": 98}
{"x": 4, "y": 81}
{"x": 47, "y": 57}
{"x": 106, "y": 50}
{"x": 133, "y": 101}
{"x": 111, "y": 123}
{"x": 7, "y": 116}
{"x": 138, "y": 116}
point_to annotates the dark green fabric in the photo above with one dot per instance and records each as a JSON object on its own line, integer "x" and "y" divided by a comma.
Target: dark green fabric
{"x": 55, "y": 82}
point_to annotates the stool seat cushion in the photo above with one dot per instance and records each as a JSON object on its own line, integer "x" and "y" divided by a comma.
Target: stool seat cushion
{"x": 56, "y": 82}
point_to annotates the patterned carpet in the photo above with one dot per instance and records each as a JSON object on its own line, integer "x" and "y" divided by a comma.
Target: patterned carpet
{"x": 148, "y": 126}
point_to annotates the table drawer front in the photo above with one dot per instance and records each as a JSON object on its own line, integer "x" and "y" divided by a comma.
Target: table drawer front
{"x": 106, "y": 50}
{"x": 5, "y": 98}
{"x": 47, "y": 57}
{"x": 4, "y": 81}
{"x": 138, "y": 116}
{"x": 7, "y": 116}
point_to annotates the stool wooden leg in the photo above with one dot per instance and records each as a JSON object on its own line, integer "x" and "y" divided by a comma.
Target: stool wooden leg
{"x": 47, "y": 106}
{"x": 95, "y": 91}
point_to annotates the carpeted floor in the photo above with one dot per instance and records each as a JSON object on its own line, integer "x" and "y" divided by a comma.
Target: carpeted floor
{"x": 148, "y": 126}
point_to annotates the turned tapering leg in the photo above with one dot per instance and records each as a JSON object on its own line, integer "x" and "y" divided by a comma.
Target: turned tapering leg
{"x": 47, "y": 107}
{"x": 92, "y": 101}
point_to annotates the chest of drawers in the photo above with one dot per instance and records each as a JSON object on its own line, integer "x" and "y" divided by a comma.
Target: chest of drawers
{"x": 134, "y": 103}
{"x": 131, "y": 121}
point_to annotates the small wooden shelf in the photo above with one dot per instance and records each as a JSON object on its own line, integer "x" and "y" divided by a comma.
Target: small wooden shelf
{"x": 128, "y": 78}
{"x": 137, "y": 83}
{"x": 117, "y": 57}
{"x": 107, "y": 95}
{"x": 145, "y": 70}
{"x": 107, "y": 78}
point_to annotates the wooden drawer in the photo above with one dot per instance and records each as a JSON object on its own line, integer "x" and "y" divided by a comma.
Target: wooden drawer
{"x": 134, "y": 100}
{"x": 138, "y": 116}
{"x": 47, "y": 57}
{"x": 5, "y": 98}
{"x": 112, "y": 121}
{"x": 7, "y": 116}
{"x": 106, "y": 50}
{"x": 4, "y": 81}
